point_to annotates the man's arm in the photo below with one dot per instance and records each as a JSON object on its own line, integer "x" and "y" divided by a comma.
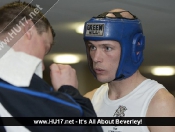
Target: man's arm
{"x": 85, "y": 103}
{"x": 64, "y": 79}
{"x": 162, "y": 105}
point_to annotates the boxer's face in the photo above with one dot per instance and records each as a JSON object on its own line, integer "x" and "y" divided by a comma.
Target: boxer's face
{"x": 105, "y": 56}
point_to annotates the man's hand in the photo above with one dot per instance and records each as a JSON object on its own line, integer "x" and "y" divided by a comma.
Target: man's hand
{"x": 63, "y": 75}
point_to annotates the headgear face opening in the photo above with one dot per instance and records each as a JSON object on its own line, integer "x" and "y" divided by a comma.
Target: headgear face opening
{"x": 128, "y": 32}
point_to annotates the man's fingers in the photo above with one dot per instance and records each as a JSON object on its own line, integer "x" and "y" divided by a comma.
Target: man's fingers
{"x": 55, "y": 67}
{"x": 63, "y": 75}
{"x": 62, "y": 67}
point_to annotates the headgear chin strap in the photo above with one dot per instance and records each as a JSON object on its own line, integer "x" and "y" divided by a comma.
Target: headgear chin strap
{"x": 128, "y": 32}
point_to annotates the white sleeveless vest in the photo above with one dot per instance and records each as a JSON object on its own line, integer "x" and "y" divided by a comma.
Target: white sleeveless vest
{"x": 135, "y": 104}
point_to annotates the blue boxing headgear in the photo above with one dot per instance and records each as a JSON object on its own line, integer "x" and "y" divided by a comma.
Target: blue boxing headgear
{"x": 128, "y": 32}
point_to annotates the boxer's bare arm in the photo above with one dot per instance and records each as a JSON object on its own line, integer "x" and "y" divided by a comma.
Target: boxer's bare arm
{"x": 90, "y": 94}
{"x": 162, "y": 105}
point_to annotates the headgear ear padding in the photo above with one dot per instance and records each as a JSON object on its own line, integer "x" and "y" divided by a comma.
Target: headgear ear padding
{"x": 138, "y": 47}
{"x": 128, "y": 32}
